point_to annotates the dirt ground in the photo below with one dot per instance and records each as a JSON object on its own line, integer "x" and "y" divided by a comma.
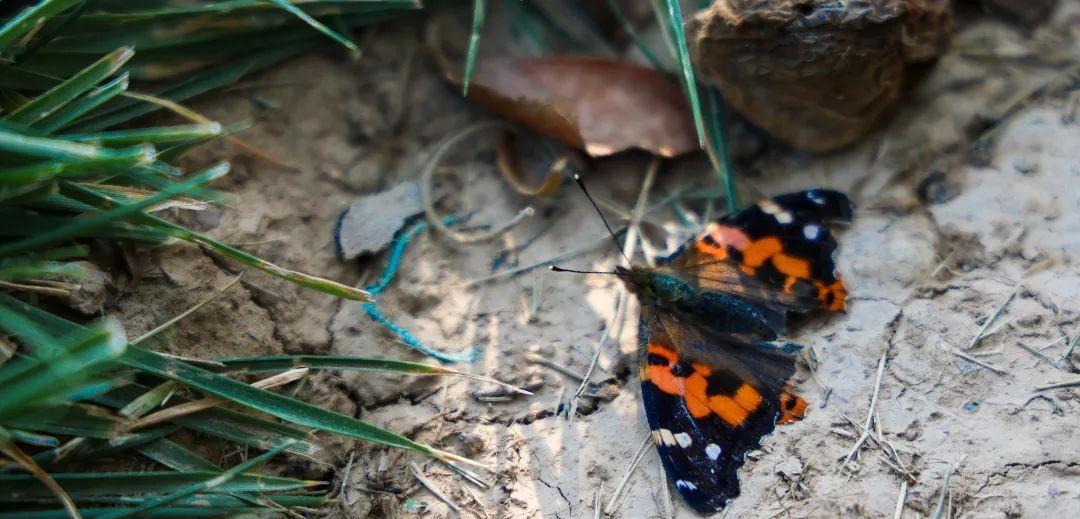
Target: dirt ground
{"x": 965, "y": 198}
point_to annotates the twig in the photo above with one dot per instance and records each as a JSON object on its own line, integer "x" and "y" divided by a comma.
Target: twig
{"x": 982, "y": 329}
{"x": 597, "y": 502}
{"x": 613, "y": 501}
{"x": 536, "y": 359}
{"x": 1040, "y": 355}
{"x": 431, "y": 488}
{"x": 870, "y": 411}
{"x": 974, "y": 360}
{"x": 1058, "y": 385}
{"x": 900, "y": 500}
{"x": 616, "y": 317}
{"x": 8, "y": 447}
{"x": 205, "y": 403}
{"x": 475, "y": 499}
{"x": 196, "y": 117}
{"x": 469, "y": 475}
{"x": 344, "y": 494}
{"x": 639, "y": 208}
{"x": 889, "y": 450}
{"x": 941, "y": 266}
{"x": 428, "y": 200}
{"x": 187, "y": 312}
{"x": 944, "y": 493}
{"x": 1066, "y": 358}
{"x": 34, "y": 289}
{"x": 588, "y": 373}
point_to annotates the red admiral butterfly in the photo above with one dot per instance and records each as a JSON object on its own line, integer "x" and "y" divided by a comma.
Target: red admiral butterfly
{"x": 714, "y": 374}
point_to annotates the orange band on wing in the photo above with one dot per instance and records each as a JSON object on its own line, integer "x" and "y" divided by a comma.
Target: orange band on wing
{"x": 792, "y": 408}
{"x": 718, "y": 252}
{"x": 733, "y": 409}
{"x": 792, "y": 266}
{"x": 756, "y": 252}
{"x": 832, "y": 296}
{"x": 660, "y": 374}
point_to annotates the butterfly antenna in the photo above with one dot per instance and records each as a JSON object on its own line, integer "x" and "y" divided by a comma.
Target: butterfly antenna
{"x": 614, "y": 239}
{"x": 560, "y": 269}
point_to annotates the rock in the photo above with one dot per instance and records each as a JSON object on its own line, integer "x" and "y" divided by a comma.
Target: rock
{"x": 813, "y": 74}
{"x": 369, "y": 224}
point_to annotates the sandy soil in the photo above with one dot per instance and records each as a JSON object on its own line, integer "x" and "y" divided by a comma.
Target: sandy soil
{"x": 967, "y": 197}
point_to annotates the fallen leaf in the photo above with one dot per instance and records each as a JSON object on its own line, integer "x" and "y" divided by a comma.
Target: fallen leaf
{"x": 600, "y": 105}
{"x": 369, "y": 224}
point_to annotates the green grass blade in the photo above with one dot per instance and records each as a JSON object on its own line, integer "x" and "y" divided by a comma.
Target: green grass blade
{"x": 25, "y": 21}
{"x": 200, "y": 83}
{"x": 178, "y": 458}
{"x": 89, "y": 195}
{"x": 285, "y": 362}
{"x": 31, "y": 381}
{"x": 157, "y": 136}
{"x": 91, "y": 449}
{"x": 315, "y": 24}
{"x": 674, "y": 22}
{"x": 717, "y": 149}
{"x": 178, "y": 512}
{"x": 69, "y": 420}
{"x": 16, "y": 488}
{"x": 32, "y": 146}
{"x": 20, "y": 223}
{"x": 56, "y": 169}
{"x": 121, "y": 211}
{"x": 288, "y": 409}
{"x": 226, "y": 424}
{"x": 47, "y": 103}
{"x": 209, "y": 485}
{"x": 84, "y": 105}
{"x": 479, "y": 13}
{"x": 349, "y": 363}
{"x": 205, "y": 500}
{"x": 635, "y": 36}
{"x": 32, "y": 438}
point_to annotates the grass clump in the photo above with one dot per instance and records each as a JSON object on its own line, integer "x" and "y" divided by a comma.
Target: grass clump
{"x": 75, "y": 166}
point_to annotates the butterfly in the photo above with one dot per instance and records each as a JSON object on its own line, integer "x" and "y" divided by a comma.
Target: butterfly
{"x": 715, "y": 372}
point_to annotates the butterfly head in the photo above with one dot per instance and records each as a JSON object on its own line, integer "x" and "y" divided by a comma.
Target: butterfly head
{"x": 643, "y": 281}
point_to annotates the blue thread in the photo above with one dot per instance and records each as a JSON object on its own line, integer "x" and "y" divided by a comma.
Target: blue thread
{"x": 392, "y": 265}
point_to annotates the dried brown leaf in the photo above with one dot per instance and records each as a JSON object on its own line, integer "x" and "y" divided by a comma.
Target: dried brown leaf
{"x": 600, "y": 105}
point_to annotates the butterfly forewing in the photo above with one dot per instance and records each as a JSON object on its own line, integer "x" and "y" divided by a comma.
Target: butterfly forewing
{"x": 777, "y": 251}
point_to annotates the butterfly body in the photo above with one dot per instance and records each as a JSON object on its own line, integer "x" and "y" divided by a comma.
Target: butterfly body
{"x": 663, "y": 288}
{"x": 715, "y": 372}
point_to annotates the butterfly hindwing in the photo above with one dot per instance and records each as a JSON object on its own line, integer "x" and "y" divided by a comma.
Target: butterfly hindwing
{"x": 709, "y": 401}
{"x": 778, "y": 251}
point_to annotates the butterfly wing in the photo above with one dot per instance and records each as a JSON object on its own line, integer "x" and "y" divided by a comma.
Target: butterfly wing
{"x": 778, "y": 251}
{"x": 709, "y": 401}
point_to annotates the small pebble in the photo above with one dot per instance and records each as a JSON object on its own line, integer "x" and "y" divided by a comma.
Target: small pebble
{"x": 1024, "y": 165}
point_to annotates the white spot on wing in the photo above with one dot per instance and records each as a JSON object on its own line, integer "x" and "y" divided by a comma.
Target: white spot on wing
{"x": 683, "y": 484}
{"x": 814, "y": 197}
{"x": 684, "y": 440}
{"x": 811, "y": 231}
{"x": 666, "y": 438}
{"x": 784, "y": 217}
{"x": 713, "y": 451}
{"x": 769, "y": 207}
